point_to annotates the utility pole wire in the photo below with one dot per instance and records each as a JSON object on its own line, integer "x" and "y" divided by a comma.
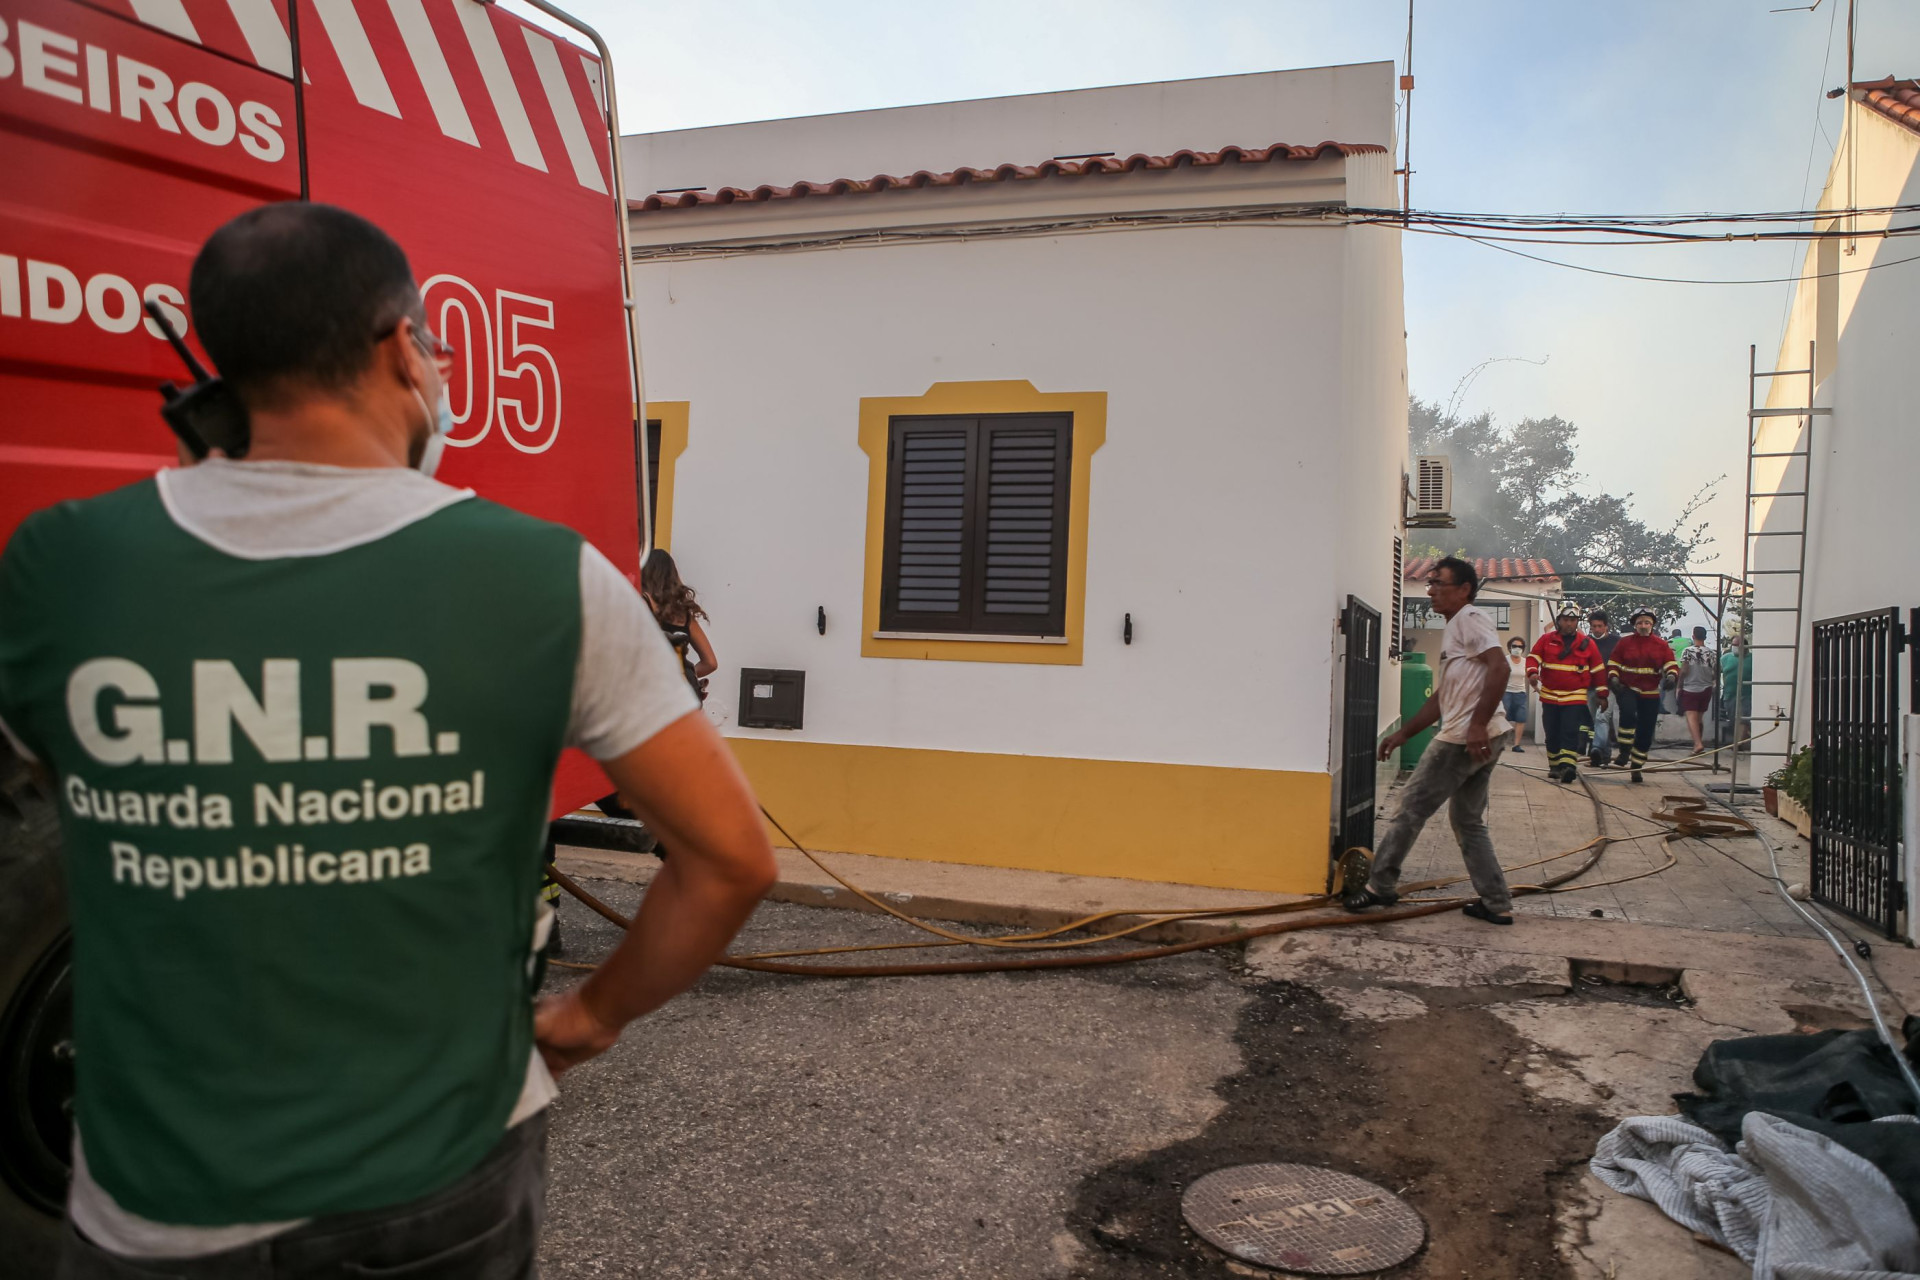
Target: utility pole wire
{"x": 1406, "y": 87}
{"x": 1847, "y": 139}
{"x": 1628, "y": 275}
{"x": 1813, "y": 138}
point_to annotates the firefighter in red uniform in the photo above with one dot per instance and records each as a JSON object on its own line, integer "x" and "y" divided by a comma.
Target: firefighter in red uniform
{"x": 1565, "y": 664}
{"x": 1640, "y": 662}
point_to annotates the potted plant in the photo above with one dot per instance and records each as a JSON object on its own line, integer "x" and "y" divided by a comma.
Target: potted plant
{"x": 1792, "y": 785}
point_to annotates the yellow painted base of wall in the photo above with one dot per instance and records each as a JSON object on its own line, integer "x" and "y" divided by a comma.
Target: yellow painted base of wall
{"x": 1256, "y": 829}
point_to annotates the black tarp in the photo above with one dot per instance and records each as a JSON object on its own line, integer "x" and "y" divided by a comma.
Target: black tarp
{"x": 1833, "y": 1082}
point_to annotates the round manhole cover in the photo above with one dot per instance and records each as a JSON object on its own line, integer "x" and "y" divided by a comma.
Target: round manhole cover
{"x": 1295, "y": 1217}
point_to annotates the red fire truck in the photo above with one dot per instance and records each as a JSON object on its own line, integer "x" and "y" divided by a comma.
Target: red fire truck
{"x": 129, "y": 130}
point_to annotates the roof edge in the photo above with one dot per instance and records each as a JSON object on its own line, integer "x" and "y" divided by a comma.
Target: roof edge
{"x": 1896, "y": 99}
{"x": 1278, "y": 151}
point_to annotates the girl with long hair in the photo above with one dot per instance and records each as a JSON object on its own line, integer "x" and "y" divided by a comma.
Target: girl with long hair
{"x": 679, "y": 614}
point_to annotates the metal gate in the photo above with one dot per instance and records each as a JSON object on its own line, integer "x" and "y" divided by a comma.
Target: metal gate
{"x": 1359, "y": 725}
{"x": 1856, "y": 767}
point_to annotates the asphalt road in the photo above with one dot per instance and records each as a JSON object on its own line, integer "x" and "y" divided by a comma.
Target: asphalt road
{"x": 903, "y": 1127}
{"x": 1033, "y": 1127}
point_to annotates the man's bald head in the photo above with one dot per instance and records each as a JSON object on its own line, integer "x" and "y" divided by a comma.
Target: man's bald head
{"x": 290, "y": 299}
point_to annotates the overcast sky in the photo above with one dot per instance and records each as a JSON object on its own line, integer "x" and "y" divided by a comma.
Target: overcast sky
{"x": 1522, "y": 106}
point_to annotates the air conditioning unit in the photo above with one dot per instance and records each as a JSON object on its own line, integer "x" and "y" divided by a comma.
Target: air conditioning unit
{"x": 1432, "y": 492}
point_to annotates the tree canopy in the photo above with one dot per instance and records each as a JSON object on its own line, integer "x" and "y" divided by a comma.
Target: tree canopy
{"x": 1516, "y": 493}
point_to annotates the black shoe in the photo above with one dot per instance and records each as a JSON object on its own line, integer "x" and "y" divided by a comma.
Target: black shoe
{"x": 1620, "y": 761}
{"x": 1598, "y": 762}
{"x": 1368, "y": 899}
{"x": 1478, "y": 910}
{"x": 1637, "y": 777}
{"x": 1517, "y": 747}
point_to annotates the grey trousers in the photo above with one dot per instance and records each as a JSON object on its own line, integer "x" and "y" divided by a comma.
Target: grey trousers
{"x": 1606, "y": 725}
{"x": 486, "y": 1226}
{"x": 1446, "y": 773}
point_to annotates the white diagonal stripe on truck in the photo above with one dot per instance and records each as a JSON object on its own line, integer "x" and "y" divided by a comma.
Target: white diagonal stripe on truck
{"x": 356, "y": 55}
{"x": 266, "y": 39}
{"x": 500, "y": 86}
{"x": 168, "y": 15}
{"x": 423, "y": 46}
{"x": 566, "y": 110}
{"x": 592, "y": 67}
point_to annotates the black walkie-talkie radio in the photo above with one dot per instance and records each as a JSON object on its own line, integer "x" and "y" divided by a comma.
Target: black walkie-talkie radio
{"x": 206, "y": 415}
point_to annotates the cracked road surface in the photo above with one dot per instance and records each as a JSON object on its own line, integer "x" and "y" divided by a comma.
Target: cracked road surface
{"x": 1030, "y": 1126}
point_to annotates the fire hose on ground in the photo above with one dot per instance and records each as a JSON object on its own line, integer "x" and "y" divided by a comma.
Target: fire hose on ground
{"x": 1685, "y": 816}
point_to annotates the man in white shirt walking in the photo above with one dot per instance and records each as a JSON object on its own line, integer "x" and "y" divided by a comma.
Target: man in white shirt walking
{"x": 1457, "y": 767}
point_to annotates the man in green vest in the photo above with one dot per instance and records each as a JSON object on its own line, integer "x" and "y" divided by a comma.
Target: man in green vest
{"x": 302, "y": 713}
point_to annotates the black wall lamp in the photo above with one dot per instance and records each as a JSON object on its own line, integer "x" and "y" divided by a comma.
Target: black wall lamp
{"x": 1126, "y": 630}
{"x": 820, "y": 620}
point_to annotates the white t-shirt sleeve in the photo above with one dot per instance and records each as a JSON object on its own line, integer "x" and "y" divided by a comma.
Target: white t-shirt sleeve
{"x": 629, "y": 684}
{"x": 1476, "y": 634}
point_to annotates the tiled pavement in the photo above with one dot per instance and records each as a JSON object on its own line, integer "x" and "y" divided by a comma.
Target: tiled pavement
{"x": 1712, "y": 885}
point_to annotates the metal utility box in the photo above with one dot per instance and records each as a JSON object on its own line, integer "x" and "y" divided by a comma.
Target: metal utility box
{"x": 771, "y": 699}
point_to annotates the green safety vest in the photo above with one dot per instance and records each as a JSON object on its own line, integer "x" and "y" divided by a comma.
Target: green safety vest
{"x": 303, "y": 803}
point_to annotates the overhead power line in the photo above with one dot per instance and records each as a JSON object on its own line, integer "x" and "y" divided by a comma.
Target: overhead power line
{"x": 1675, "y": 228}
{"x": 1630, "y": 275}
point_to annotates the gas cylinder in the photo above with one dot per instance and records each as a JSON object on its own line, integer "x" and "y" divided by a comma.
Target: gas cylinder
{"x": 1416, "y": 686}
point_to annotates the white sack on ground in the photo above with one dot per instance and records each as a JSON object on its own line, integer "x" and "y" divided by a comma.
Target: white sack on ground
{"x": 1791, "y": 1202}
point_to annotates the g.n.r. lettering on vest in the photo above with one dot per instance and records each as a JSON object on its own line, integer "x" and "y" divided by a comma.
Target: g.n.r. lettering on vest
{"x": 113, "y": 705}
{"x": 376, "y": 711}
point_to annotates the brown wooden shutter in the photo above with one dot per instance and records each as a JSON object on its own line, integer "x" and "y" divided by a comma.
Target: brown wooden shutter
{"x": 1023, "y": 527}
{"x": 653, "y": 478}
{"x": 976, "y": 525}
{"x": 924, "y": 585}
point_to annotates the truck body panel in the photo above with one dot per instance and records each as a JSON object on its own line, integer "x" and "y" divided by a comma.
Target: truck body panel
{"x": 474, "y": 138}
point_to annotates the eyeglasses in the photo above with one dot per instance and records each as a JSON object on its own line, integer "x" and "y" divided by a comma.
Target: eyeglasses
{"x": 433, "y": 344}
{"x": 438, "y": 349}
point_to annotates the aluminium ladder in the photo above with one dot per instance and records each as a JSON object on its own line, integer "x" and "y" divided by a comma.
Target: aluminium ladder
{"x": 1795, "y": 469}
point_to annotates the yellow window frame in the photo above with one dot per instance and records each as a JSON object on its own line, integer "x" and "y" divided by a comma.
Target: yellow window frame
{"x": 1089, "y": 412}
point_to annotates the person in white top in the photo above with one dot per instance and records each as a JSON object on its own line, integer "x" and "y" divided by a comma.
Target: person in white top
{"x": 1457, "y": 767}
{"x": 1514, "y": 704}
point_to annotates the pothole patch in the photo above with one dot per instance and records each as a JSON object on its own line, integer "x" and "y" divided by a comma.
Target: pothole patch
{"x": 1625, "y": 982}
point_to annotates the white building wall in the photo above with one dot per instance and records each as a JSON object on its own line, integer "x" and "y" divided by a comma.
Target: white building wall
{"x": 1866, "y": 455}
{"x": 1374, "y": 385}
{"x": 1249, "y": 479}
{"x": 1210, "y": 506}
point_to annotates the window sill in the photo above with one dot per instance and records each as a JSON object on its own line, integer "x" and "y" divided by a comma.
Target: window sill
{"x": 963, "y": 635}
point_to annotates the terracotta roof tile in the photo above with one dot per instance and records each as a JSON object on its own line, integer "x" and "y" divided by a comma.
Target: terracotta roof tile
{"x": 1491, "y": 569}
{"x": 1897, "y": 100}
{"x": 1002, "y": 173}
